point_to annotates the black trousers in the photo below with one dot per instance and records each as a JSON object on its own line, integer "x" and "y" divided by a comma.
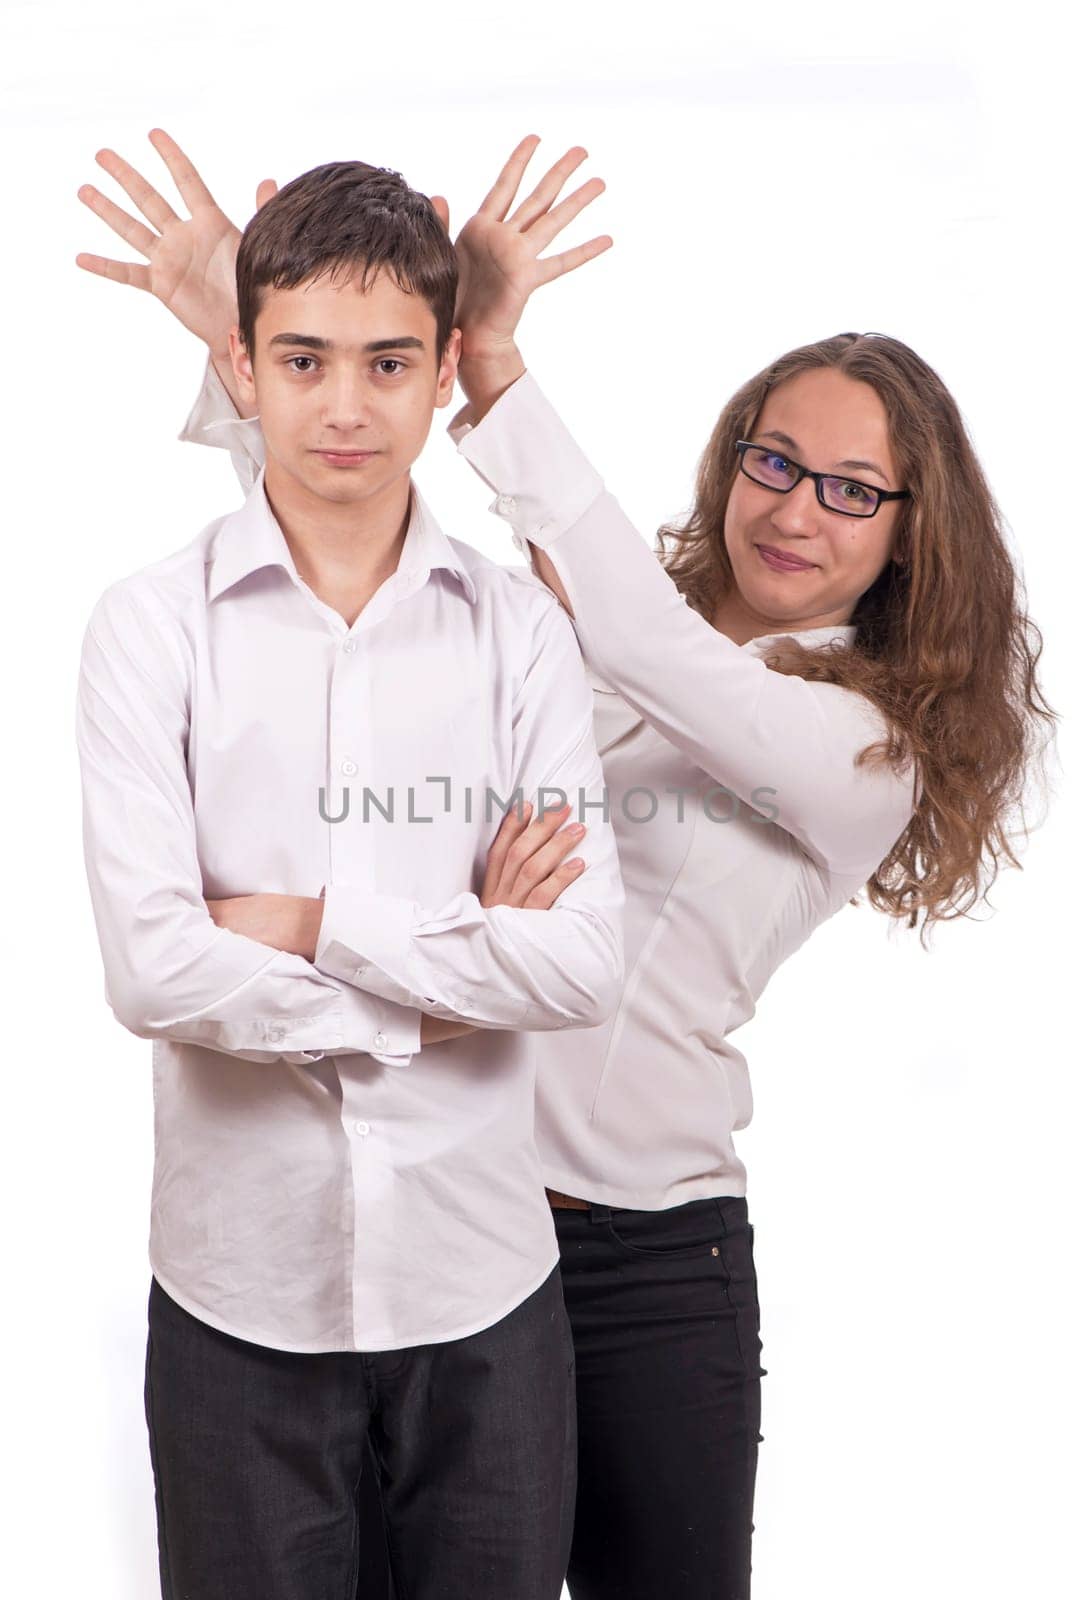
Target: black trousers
{"x": 665, "y": 1320}
{"x": 466, "y": 1448}
{"x": 666, "y": 1326}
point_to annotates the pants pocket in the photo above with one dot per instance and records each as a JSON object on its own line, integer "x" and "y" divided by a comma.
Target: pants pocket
{"x": 736, "y": 1257}
{"x": 690, "y": 1230}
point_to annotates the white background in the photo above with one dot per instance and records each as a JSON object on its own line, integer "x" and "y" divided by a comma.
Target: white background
{"x": 775, "y": 174}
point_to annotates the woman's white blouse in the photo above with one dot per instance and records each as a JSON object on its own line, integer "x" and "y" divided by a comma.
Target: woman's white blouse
{"x": 741, "y": 819}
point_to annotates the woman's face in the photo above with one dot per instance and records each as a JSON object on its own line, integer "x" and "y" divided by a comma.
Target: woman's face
{"x": 830, "y": 423}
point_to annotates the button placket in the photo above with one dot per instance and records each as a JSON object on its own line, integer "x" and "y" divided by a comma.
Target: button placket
{"x": 364, "y": 1105}
{"x": 350, "y": 757}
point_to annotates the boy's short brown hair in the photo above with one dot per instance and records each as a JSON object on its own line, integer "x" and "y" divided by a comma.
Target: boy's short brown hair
{"x": 344, "y": 215}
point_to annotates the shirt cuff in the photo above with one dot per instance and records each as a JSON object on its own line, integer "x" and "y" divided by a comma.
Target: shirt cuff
{"x": 396, "y": 1039}
{"x": 214, "y": 420}
{"x": 522, "y": 450}
{"x": 364, "y": 940}
{"x": 362, "y": 1024}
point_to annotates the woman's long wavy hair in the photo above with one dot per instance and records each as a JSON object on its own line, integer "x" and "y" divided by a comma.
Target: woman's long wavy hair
{"x": 944, "y": 645}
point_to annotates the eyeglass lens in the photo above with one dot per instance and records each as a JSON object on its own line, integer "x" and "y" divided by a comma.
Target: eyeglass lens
{"x": 840, "y": 494}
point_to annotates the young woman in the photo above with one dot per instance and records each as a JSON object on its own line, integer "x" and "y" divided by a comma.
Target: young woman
{"x": 822, "y": 682}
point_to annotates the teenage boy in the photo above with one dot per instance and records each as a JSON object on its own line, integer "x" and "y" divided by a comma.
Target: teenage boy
{"x": 289, "y": 731}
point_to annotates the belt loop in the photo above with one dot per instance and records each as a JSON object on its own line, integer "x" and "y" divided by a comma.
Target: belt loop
{"x": 730, "y": 1207}
{"x": 600, "y": 1213}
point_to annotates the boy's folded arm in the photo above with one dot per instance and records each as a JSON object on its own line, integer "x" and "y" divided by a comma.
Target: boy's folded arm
{"x": 170, "y": 972}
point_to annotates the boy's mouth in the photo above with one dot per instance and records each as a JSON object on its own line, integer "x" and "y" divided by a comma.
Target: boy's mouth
{"x": 346, "y": 458}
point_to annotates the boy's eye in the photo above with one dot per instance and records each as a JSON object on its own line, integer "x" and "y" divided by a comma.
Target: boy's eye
{"x": 389, "y": 366}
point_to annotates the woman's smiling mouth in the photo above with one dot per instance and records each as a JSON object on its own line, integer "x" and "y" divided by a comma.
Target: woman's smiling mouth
{"x": 780, "y": 561}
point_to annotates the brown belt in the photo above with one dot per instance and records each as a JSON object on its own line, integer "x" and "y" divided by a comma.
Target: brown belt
{"x": 566, "y": 1201}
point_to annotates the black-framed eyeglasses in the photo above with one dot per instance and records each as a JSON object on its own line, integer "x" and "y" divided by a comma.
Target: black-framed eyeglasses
{"x": 773, "y": 470}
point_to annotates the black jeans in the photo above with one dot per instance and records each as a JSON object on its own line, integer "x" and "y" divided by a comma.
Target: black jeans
{"x": 468, "y": 1448}
{"x": 665, "y": 1320}
{"x": 666, "y": 1325}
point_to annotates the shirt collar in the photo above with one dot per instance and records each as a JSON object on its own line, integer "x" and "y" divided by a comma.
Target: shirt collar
{"x": 810, "y": 638}
{"x": 251, "y": 538}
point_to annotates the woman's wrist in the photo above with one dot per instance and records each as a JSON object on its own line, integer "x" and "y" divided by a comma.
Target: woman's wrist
{"x": 220, "y": 356}
{"x": 486, "y": 371}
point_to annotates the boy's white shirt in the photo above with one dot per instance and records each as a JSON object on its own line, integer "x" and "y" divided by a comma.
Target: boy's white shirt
{"x": 321, "y": 1182}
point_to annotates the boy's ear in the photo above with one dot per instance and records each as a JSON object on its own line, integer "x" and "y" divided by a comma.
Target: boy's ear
{"x": 448, "y": 368}
{"x": 241, "y": 366}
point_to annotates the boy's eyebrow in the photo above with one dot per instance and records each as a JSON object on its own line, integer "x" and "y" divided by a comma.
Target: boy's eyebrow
{"x": 310, "y": 341}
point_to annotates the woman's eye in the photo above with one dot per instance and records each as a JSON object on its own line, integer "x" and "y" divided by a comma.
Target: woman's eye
{"x": 859, "y": 494}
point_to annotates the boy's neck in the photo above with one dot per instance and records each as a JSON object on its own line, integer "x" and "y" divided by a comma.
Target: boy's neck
{"x": 343, "y": 553}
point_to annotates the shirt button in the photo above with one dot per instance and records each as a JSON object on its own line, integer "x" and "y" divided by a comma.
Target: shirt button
{"x": 349, "y": 767}
{"x": 360, "y": 971}
{"x": 349, "y": 646}
{"x": 275, "y": 1035}
{"x": 505, "y": 505}
{"x": 380, "y": 1041}
{"x": 363, "y": 1129}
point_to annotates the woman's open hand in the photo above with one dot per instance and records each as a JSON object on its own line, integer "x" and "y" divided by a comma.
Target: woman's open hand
{"x": 190, "y": 260}
{"x": 499, "y": 256}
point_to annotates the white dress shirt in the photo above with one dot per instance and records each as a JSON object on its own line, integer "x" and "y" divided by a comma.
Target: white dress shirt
{"x": 321, "y": 1182}
{"x": 640, "y": 1110}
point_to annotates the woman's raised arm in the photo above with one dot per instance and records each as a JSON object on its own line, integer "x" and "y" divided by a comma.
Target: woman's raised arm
{"x": 782, "y": 744}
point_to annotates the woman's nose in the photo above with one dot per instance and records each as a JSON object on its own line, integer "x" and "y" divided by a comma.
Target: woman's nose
{"x": 800, "y": 510}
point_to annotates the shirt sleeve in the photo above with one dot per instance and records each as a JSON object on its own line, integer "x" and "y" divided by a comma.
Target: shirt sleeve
{"x": 170, "y": 971}
{"x": 771, "y": 739}
{"x": 504, "y": 966}
{"x": 213, "y": 420}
